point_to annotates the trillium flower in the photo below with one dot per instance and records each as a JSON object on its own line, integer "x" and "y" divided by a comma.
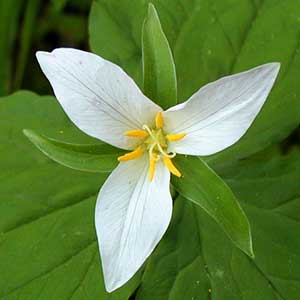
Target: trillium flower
{"x": 134, "y": 205}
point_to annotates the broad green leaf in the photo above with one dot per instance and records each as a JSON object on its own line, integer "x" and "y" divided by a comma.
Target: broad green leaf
{"x": 205, "y": 188}
{"x": 9, "y": 16}
{"x": 159, "y": 74}
{"x": 210, "y": 39}
{"x": 100, "y": 158}
{"x": 195, "y": 260}
{"x": 48, "y": 246}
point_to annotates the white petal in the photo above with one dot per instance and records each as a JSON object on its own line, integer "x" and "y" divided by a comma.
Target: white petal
{"x": 97, "y": 95}
{"x": 132, "y": 214}
{"x": 220, "y": 113}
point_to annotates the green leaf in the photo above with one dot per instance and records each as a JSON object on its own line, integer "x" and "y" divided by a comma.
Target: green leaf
{"x": 100, "y": 158}
{"x": 159, "y": 73}
{"x": 48, "y": 245}
{"x": 204, "y": 187}
{"x": 195, "y": 260}
{"x": 210, "y": 39}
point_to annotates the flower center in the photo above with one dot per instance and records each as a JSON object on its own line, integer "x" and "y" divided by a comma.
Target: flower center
{"x": 155, "y": 142}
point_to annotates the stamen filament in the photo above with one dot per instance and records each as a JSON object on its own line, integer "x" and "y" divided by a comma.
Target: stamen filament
{"x": 170, "y": 166}
{"x": 175, "y": 137}
{"x": 138, "y": 133}
{"x": 159, "y": 120}
{"x": 138, "y": 152}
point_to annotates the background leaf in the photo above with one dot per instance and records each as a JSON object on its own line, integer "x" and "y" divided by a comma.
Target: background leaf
{"x": 48, "y": 246}
{"x": 159, "y": 73}
{"x": 195, "y": 260}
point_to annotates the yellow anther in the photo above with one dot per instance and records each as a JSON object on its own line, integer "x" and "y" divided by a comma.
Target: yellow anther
{"x": 175, "y": 137}
{"x": 152, "y": 165}
{"x": 138, "y": 133}
{"x": 159, "y": 120}
{"x": 169, "y": 164}
{"x": 131, "y": 155}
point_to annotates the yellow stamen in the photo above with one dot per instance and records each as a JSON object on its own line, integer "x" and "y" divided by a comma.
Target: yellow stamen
{"x": 169, "y": 164}
{"x": 137, "y": 133}
{"x": 131, "y": 155}
{"x": 175, "y": 137}
{"x": 159, "y": 120}
{"x": 152, "y": 165}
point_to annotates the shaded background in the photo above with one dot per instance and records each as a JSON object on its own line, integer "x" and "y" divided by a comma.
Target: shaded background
{"x": 31, "y": 25}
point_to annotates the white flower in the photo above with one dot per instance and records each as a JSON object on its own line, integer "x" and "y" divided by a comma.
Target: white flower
{"x": 134, "y": 205}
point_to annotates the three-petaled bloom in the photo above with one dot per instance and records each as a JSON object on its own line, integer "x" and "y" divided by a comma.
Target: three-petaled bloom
{"x": 134, "y": 205}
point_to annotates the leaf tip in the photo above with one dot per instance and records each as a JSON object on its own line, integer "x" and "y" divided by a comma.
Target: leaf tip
{"x": 248, "y": 249}
{"x": 251, "y": 253}
{"x": 152, "y": 12}
{"x": 151, "y": 7}
{"x": 32, "y": 136}
{"x": 27, "y": 132}
{"x": 247, "y": 245}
